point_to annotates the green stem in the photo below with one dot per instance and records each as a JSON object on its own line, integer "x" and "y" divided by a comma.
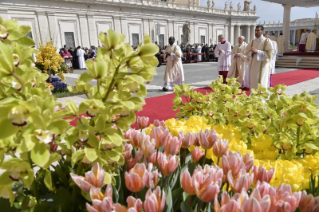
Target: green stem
{"x": 200, "y": 206}
{"x": 14, "y": 90}
{"x": 75, "y": 189}
{"x": 218, "y": 161}
{"x": 190, "y": 201}
{"x": 204, "y": 157}
{"x": 18, "y": 78}
{"x": 298, "y": 135}
{"x": 36, "y": 191}
{"x": 98, "y": 86}
{"x": 112, "y": 83}
{"x": 156, "y": 157}
{"x": 185, "y": 156}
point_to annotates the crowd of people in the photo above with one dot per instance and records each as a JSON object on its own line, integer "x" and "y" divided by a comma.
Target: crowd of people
{"x": 252, "y": 63}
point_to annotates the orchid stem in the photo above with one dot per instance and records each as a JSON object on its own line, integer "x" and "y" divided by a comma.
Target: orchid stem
{"x": 204, "y": 157}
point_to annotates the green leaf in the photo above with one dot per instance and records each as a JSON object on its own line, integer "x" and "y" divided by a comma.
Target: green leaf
{"x": 100, "y": 123}
{"x": 58, "y": 126}
{"x": 40, "y": 154}
{"x": 48, "y": 180}
{"x": 185, "y": 207}
{"x": 86, "y": 77}
{"x": 115, "y": 139}
{"x": 7, "y": 129}
{"x": 62, "y": 200}
{"x": 77, "y": 156}
{"x": 26, "y": 145}
{"x": 91, "y": 154}
{"x": 169, "y": 200}
{"x": 25, "y": 41}
{"x": 71, "y": 107}
{"x": 113, "y": 155}
{"x": 93, "y": 140}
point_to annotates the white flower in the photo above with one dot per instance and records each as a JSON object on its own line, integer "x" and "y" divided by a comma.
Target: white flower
{"x": 92, "y": 111}
{"x": 16, "y": 85}
{"x": 15, "y": 172}
{"x": 46, "y": 136}
{"x": 17, "y": 117}
{"x": 3, "y": 33}
{"x": 16, "y": 60}
{"x": 83, "y": 136}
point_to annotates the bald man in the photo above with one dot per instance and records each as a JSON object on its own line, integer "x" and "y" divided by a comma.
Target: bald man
{"x": 239, "y": 63}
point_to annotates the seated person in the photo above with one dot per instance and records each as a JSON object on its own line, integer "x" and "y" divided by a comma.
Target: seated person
{"x": 66, "y": 54}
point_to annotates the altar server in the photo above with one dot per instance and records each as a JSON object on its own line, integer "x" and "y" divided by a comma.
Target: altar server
{"x": 303, "y": 41}
{"x": 238, "y": 62}
{"x": 174, "y": 72}
{"x": 223, "y": 52}
{"x": 260, "y": 52}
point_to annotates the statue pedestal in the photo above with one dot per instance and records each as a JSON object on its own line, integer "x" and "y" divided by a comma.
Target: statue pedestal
{"x": 317, "y": 45}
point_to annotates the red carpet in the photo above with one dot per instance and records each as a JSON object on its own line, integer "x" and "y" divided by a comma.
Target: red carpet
{"x": 298, "y": 53}
{"x": 161, "y": 107}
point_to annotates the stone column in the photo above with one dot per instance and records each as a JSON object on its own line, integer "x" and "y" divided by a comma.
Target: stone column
{"x": 226, "y": 32}
{"x": 92, "y": 32}
{"x": 214, "y": 34}
{"x": 237, "y": 33}
{"x": 170, "y": 29}
{"x": 124, "y": 28}
{"x": 117, "y": 24}
{"x": 232, "y": 39}
{"x": 252, "y": 32}
{"x": 54, "y": 30}
{"x": 152, "y": 30}
{"x": 294, "y": 37}
{"x": 146, "y": 30}
{"x": 84, "y": 30}
{"x": 286, "y": 25}
{"x": 248, "y": 32}
{"x": 43, "y": 27}
{"x": 176, "y": 34}
{"x": 196, "y": 40}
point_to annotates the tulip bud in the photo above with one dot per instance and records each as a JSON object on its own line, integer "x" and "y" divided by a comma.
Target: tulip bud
{"x": 152, "y": 177}
{"x": 142, "y": 122}
{"x": 127, "y": 151}
{"x": 187, "y": 182}
{"x": 135, "y": 179}
{"x": 220, "y": 147}
{"x": 197, "y": 154}
{"x": 188, "y": 140}
{"x": 154, "y": 201}
{"x": 167, "y": 164}
{"x": 158, "y": 123}
{"x": 172, "y": 146}
{"x": 262, "y": 175}
{"x": 147, "y": 146}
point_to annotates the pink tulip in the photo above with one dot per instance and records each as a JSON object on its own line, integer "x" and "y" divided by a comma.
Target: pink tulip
{"x": 212, "y": 136}
{"x": 308, "y": 203}
{"x": 94, "y": 178}
{"x": 132, "y": 161}
{"x": 130, "y": 134}
{"x": 286, "y": 201}
{"x": 154, "y": 201}
{"x": 196, "y": 141}
{"x": 248, "y": 161}
{"x": 255, "y": 203}
{"x": 234, "y": 162}
{"x": 133, "y": 205}
{"x": 172, "y": 146}
{"x": 207, "y": 182}
{"x": 160, "y": 136}
{"x": 228, "y": 204}
{"x": 203, "y": 141}
{"x": 158, "y": 123}
{"x": 245, "y": 180}
{"x": 142, "y": 122}
{"x": 100, "y": 202}
{"x": 127, "y": 151}
{"x": 266, "y": 189}
{"x": 136, "y": 139}
{"x": 152, "y": 177}
{"x": 167, "y": 164}
{"x": 135, "y": 179}
{"x": 220, "y": 147}
{"x": 187, "y": 183}
{"x": 197, "y": 154}
{"x": 188, "y": 140}
{"x": 262, "y": 175}
{"x": 147, "y": 146}
{"x": 152, "y": 159}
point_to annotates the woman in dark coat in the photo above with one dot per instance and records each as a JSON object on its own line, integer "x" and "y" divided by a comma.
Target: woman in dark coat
{"x": 75, "y": 59}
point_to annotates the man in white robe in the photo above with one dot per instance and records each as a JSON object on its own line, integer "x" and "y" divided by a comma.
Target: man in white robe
{"x": 80, "y": 53}
{"x": 174, "y": 72}
{"x": 199, "y": 50}
{"x": 223, "y": 52}
{"x": 311, "y": 42}
{"x": 273, "y": 37}
{"x": 303, "y": 40}
{"x": 273, "y": 60}
{"x": 238, "y": 63}
{"x": 260, "y": 52}
{"x": 280, "y": 44}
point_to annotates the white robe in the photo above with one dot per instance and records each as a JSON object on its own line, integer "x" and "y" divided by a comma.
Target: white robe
{"x": 238, "y": 64}
{"x": 80, "y": 53}
{"x": 311, "y": 42}
{"x": 303, "y": 39}
{"x": 274, "y": 57}
{"x": 224, "y": 58}
{"x": 280, "y": 44}
{"x": 260, "y": 62}
{"x": 199, "y": 50}
{"x": 174, "y": 72}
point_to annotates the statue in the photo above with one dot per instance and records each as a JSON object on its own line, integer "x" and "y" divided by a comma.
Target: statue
{"x": 255, "y": 8}
{"x": 186, "y": 33}
{"x": 213, "y": 4}
{"x": 231, "y": 5}
{"x": 247, "y": 5}
{"x": 226, "y": 5}
{"x": 208, "y": 4}
{"x": 238, "y": 7}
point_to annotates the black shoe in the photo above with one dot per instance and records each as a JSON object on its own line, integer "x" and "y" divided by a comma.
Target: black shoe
{"x": 164, "y": 89}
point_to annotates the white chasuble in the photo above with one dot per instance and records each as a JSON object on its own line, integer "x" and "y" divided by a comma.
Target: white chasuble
{"x": 260, "y": 67}
{"x": 80, "y": 53}
{"x": 174, "y": 72}
{"x": 311, "y": 42}
{"x": 237, "y": 68}
{"x": 280, "y": 44}
{"x": 274, "y": 57}
{"x": 224, "y": 57}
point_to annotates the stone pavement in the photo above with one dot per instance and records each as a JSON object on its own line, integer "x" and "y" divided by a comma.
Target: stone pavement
{"x": 197, "y": 75}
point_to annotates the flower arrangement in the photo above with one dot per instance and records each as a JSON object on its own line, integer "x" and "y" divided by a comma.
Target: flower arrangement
{"x": 38, "y": 148}
{"x": 50, "y": 61}
{"x": 58, "y": 86}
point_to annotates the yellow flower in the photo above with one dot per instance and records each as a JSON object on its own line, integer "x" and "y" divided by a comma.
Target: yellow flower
{"x": 263, "y": 142}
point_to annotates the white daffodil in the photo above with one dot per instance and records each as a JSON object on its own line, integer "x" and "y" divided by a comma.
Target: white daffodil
{"x": 16, "y": 60}
{"x": 92, "y": 110}
{"x": 46, "y": 136}
{"x": 3, "y": 33}
{"x": 83, "y": 136}
{"x": 17, "y": 116}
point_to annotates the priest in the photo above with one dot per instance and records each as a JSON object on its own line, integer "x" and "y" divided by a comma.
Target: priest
{"x": 303, "y": 41}
{"x": 223, "y": 52}
{"x": 238, "y": 62}
{"x": 280, "y": 43}
{"x": 174, "y": 72}
{"x": 273, "y": 37}
{"x": 260, "y": 52}
{"x": 311, "y": 42}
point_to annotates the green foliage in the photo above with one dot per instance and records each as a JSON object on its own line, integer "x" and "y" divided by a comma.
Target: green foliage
{"x": 35, "y": 132}
{"x": 292, "y": 123}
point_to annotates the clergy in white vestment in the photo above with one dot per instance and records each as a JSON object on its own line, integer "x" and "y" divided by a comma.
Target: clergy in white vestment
{"x": 303, "y": 41}
{"x": 199, "y": 50}
{"x": 311, "y": 42}
{"x": 280, "y": 44}
{"x": 273, "y": 60}
{"x": 260, "y": 52}
{"x": 223, "y": 52}
{"x": 174, "y": 72}
{"x": 238, "y": 63}
{"x": 273, "y": 37}
{"x": 80, "y": 53}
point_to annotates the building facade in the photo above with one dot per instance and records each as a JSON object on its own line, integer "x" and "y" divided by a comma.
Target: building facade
{"x": 78, "y": 22}
{"x": 295, "y": 27}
